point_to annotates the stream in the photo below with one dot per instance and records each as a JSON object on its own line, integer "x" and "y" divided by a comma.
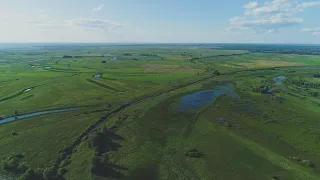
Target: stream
{"x": 20, "y": 117}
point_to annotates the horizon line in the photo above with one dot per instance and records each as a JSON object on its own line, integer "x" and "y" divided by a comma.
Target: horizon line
{"x": 159, "y": 43}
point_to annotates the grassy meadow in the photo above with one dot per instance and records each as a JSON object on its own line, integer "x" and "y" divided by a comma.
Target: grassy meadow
{"x": 129, "y": 125}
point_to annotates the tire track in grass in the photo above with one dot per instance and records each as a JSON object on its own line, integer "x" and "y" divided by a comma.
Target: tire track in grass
{"x": 33, "y": 87}
{"x": 101, "y": 85}
{"x": 299, "y": 171}
{"x": 18, "y": 94}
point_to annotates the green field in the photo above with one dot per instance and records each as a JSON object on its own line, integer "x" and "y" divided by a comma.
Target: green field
{"x": 129, "y": 125}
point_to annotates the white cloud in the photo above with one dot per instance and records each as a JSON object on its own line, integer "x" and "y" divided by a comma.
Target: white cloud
{"x": 41, "y": 11}
{"x": 268, "y": 17}
{"x": 43, "y": 16}
{"x": 99, "y": 8}
{"x": 37, "y": 29}
{"x": 309, "y": 4}
{"x": 34, "y": 22}
{"x": 95, "y": 23}
{"x": 251, "y": 5}
{"x": 48, "y": 25}
{"x": 8, "y": 14}
{"x": 288, "y": 7}
{"x": 80, "y": 23}
{"x": 314, "y": 31}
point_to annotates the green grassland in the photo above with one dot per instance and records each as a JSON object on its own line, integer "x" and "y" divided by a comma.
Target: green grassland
{"x": 133, "y": 109}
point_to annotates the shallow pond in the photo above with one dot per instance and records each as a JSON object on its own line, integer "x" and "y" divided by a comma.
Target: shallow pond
{"x": 201, "y": 98}
{"x": 97, "y": 76}
{"x": 10, "y": 119}
{"x": 305, "y": 67}
{"x": 278, "y": 79}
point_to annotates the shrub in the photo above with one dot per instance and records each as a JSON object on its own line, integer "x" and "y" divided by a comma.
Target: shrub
{"x": 50, "y": 173}
{"x": 22, "y": 168}
{"x": 13, "y": 133}
{"x": 30, "y": 174}
{"x": 5, "y": 165}
{"x": 216, "y": 72}
{"x": 194, "y": 153}
{"x": 65, "y": 162}
{"x": 62, "y": 172}
{"x": 105, "y": 158}
{"x": 96, "y": 164}
{"x": 307, "y": 163}
{"x": 14, "y": 164}
{"x": 63, "y": 155}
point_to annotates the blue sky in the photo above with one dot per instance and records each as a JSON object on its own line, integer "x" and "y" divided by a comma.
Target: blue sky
{"x": 186, "y": 21}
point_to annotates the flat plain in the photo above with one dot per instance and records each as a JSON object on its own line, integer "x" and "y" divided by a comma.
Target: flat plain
{"x": 252, "y": 111}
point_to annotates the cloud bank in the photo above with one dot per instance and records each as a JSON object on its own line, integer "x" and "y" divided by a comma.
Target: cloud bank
{"x": 270, "y": 16}
{"x": 314, "y": 31}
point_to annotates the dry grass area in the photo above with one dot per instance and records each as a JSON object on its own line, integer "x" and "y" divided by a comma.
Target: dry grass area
{"x": 266, "y": 63}
{"x": 229, "y": 66}
{"x": 155, "y": 68}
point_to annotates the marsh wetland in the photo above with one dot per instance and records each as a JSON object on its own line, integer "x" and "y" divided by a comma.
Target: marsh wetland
{"x": 159, "y": 111}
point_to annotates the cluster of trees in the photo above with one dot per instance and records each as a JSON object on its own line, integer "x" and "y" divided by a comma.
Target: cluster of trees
{"x": 263, "y": 89}
{"x": 215, "y": 72}
{"x": 103, "y": 142}
{"x": 99, "y": 163}
{"x": 219, "y": 55}
{"x": 66, "y": 56}
{"x": 288, "y": 51}
{"x": 304, "y": 162}
{"x": 97, "y": 141}
{"x": 269, "y": 48}
{"x": 317, "y": 75}
{"x": 314, "y": 94}
{"x": 52, "y": 173}
{"x": 149, "y": 55}
{"x": 16, "y": 165}
{"x": 304, "y": 84}
{"x": 186, "y": 54}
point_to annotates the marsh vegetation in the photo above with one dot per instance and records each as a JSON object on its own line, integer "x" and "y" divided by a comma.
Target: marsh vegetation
{"x": 160, "y": 112}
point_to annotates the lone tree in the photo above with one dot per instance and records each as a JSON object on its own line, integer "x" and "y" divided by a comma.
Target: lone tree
{"x": 50, "y": 173}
